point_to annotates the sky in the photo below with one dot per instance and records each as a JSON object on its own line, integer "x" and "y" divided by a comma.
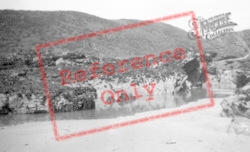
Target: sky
{"x": 143, "y": 9}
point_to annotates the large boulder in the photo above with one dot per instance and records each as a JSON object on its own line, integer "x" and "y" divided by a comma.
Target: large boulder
{"x": 240, "y": 78}
{"x": 74, "y": 99}
{"x": 24, "y": 103}
{"x": 236, "y": 105}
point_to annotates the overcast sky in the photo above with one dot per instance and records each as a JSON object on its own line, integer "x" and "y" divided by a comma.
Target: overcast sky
{"x": 143, "y": 9}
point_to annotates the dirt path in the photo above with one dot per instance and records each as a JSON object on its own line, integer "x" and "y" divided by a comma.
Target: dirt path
{"x": 246, "y": 57}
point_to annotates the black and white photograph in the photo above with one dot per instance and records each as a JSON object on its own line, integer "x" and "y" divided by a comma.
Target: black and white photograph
{"x": 124, "y": 76}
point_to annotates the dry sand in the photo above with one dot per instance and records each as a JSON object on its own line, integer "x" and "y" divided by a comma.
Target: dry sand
{"x": 198, "y": 131}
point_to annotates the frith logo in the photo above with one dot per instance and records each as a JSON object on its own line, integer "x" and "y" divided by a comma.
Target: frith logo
{"x": 212, "y": 27}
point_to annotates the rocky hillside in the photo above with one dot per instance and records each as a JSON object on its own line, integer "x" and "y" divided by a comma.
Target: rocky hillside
{"x": 21, "y": 31}
{"x": 21, "y": 87}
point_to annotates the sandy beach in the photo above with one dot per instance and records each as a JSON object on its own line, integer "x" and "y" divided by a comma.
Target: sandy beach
{"x": 197, "y": 131}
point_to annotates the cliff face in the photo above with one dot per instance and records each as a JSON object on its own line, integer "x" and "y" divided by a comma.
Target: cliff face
{"x": 169, "y": 83}
{"x": 87, "y": 95}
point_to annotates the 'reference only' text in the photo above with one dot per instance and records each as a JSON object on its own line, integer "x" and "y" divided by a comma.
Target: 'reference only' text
{"x": 109, "y": 69}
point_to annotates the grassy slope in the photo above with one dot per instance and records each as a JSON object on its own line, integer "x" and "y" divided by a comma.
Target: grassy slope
{"x": 23, "y": 30}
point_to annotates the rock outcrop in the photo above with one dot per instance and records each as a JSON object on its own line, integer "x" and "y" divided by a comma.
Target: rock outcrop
{"x": 240, "y": 78}
{"x": 237, "y": 106}
{"x": 73, "y": 99}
